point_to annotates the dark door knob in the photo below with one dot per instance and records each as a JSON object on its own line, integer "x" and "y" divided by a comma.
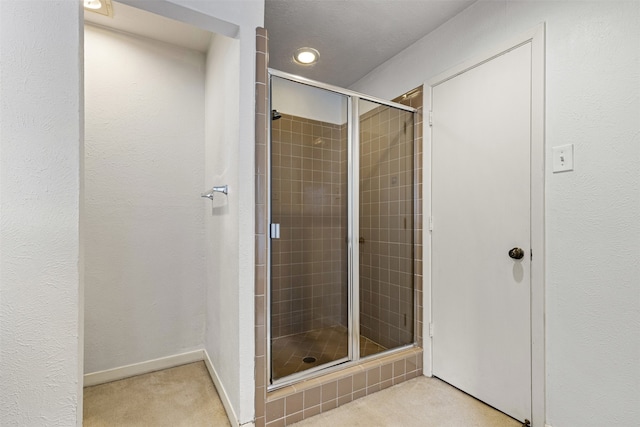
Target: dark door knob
{"x": 516, "y": 253}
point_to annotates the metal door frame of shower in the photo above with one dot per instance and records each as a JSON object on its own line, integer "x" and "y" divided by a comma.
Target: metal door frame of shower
{"x": 353, "y": 227}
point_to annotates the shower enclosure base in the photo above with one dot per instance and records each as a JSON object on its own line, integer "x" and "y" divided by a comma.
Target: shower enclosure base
{"x": 292, "y": 353}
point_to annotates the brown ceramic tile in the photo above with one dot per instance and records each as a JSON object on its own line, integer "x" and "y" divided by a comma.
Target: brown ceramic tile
{"x": 345, "y": 386}
{"x": 411, "y": 364}
{"x": 359, "y": 393}
{"x": 312, "y": 397}
{"x": 386, "y": 372}
{"x": 359, "y": 381}
{"x": 260, "y": 190}
{"x": 275, "y": 409}
{"x": 294, "y": 418}
{"x": 277, "y": 423}
{"x": 331, "y": 404}
{"x": 260, "y": 310}
{"x": 260, "y": 400}
{"x": 310, "y": 412}
{"x": 329, "y": 391}
{"x": 261, "y": 280}
{"x": 399, "y": 368}
{"x": 373, "y": 376}
{"x": 261, "y": 67}
{"x": 345, "y": 399}
{"x": 294, "y": 403}
{"x": 399, "y": 379}
{"x": 374, "y": 388}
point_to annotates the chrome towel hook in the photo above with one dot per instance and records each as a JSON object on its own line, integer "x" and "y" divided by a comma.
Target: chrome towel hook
{"x": 224, "y": 189}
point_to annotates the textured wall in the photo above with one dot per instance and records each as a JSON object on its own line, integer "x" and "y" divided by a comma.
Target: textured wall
{"x": 41, "y": 81}
{"x": 223, "y": 334}
{"x": 144, "y": 245}
{"x": 40, "y": 137}
{"x": 592, "y": 214}
{"x": 238, "y": 170}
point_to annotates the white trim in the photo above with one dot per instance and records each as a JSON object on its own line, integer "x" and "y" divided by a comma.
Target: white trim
{"x": 189, "y": 16}
{"x": 127, "y": 371}
{"x": 222, "y": 393}
{"x": 536, "y": 37}
{"x": 538, "y": 351}
{"x": 339, "y": 90}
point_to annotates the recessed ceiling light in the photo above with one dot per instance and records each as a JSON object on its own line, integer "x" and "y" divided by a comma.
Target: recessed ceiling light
{"x": 306, "y": 56}
{"x": 103, "y": 7}
{"x": 92, "y": 4}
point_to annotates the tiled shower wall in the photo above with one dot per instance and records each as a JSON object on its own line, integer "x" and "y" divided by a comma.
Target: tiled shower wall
{"x": 386, "y": 226}
{"x": 308, "y": 195}
{"x": 307, "y": 398}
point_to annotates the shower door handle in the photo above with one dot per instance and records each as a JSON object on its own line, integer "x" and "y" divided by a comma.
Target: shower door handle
{"x": 274, "y": 231}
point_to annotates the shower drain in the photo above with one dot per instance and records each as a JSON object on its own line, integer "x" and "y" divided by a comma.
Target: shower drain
{"x": 309, "y": 359}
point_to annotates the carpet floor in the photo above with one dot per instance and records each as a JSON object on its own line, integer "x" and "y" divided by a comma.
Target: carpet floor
{"x": 181, "y": 396}
{"x": 420, "y": 402}
{"x": 185, "y": 396}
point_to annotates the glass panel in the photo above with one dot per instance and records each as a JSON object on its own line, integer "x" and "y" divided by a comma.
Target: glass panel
{"x": 386, "y": 228}
{"x": 309, "y": 283}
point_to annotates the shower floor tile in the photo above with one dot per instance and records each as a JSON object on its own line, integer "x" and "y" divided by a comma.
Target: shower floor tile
{"x": 325, "y": 345}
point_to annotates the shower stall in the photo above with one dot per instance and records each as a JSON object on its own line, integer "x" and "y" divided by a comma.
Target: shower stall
{"x": 341, "y": 204}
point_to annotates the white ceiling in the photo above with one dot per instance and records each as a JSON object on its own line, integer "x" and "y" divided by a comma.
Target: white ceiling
{"x": 352, "y": 36}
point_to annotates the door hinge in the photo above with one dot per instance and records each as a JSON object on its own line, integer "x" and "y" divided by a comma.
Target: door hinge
{"x": 430, "y": 118}
{"x": 430, "y": 223}
{"x": 274, "y": 231}
{"x": 531, "y": 251}
{"x": 430, "y": 330}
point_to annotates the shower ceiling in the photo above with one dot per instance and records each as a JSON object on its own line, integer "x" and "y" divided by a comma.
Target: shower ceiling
{"x": 352, "y": 36}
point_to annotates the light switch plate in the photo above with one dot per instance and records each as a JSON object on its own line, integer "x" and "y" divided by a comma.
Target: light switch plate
{"x": 563, "y": 158}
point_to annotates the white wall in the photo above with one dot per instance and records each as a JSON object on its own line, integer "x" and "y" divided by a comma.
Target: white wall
{"x": 237, "y": 368}
{"x": 232, "y": 340}
{"x": 41, "y": 127}
{"x": 144, "y": 168}
{"x": 222, "y": 339}
{"x": 41, "y": 106}
{"x": 307, "y": 101}
{"x": 593, "y": 213}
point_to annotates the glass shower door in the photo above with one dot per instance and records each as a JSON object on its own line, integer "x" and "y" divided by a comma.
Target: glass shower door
{"x": 386, "y": 188}
{"x": 309, "y": 298}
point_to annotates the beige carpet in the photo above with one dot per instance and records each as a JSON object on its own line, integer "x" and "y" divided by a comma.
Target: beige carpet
{"x": 185, "y": 396}
{"x": 181, "y": 396}
{"x": 420, "y": 402}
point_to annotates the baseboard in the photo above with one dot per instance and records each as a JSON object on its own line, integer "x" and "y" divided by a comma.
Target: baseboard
{"x": 122, "y": 372}
{"x": 233, "y": 419}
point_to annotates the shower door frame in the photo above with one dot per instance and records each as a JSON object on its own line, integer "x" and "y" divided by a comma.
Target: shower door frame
{"x": 353, "y": 227}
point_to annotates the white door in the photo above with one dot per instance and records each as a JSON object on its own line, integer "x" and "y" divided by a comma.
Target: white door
{"x": 481, "y": 139}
